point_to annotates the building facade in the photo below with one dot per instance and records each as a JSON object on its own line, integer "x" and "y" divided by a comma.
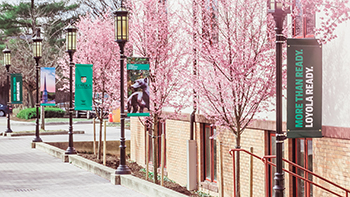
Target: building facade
{"x": 328, "y": 157}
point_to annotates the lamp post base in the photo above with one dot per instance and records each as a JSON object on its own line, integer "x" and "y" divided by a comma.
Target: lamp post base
{"x": 70, "y": 151}
{"x": 8, "y": 130}
{"x": 37, "y": 139}
{"x": 123, "y": 169}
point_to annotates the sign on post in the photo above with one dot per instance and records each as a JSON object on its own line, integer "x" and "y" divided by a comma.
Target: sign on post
{"x": 138, "y": 86}
{"x": 48, "y": 86}
{"x": 83, "y": 87}
{"x": 304, "y": 88}
{"x": 16, "y": 89}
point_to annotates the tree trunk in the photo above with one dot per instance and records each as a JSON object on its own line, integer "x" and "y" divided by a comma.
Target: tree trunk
{"x": 155, "y": 148}
{"x": 238, "y": 165}
{"x": 42, "y": 116}
{"x": 100, "y": 137}
{"x": 30, "y": 97}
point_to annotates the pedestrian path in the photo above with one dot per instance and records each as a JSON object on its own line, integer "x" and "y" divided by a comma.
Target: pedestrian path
{"x": 30, "y": 172}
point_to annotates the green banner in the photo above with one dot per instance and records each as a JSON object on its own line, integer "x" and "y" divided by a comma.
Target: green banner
{"x": 138, "y": 86}
{"x": 83, "y": 87}
{"x": 304, "y": 88}
{"x": 16, "y": 89}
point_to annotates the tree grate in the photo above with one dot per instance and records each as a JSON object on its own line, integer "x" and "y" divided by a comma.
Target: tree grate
{"x": 25, "y": 190}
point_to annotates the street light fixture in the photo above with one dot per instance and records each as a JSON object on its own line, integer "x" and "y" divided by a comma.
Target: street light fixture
{"x": 71, "y": 47}
{"x": 37, "y": 54}
{"x": 7, "y": 64}
{"x": 279, "y": 11}
{"x": 121, "y": 36}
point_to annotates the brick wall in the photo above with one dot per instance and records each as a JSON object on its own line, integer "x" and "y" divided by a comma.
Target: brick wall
{"x": 137, "y": 141}
{"x": 331, "y": 157}
{"x": 178, "y": 132}
{"x": 331, "y": 160}
{"x": 250, "y": 138}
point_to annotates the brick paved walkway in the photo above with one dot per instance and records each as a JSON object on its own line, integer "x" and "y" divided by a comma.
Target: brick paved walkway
{"x": 29, "y": 172}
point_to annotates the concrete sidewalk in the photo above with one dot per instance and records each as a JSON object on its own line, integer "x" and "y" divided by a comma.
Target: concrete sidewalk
{"x": 29, "y": 172}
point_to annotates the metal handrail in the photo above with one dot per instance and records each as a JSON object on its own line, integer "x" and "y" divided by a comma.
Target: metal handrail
{"x": 310, "y": 172}
{"x": 265, "y": 160}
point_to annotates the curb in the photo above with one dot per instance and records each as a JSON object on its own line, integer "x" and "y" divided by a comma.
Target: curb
{"x": 51, "y": 150}
{"x": 148, "y": 188}
{"x": 130, "y": 181}
{"x": 16, "y": 134}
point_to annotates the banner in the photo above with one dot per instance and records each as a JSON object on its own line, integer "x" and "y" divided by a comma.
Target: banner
{"x": 16, "y": 89}
{"x": 304, "y": 88}
{"x": 138, "y": 86}
{"x": 48, "y": 86}
{"x": 83, "y": 87}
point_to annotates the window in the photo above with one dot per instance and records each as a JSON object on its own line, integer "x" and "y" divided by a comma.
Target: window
{"x": 304, "y": 22}
{"x": 161, "y": 130}
{"x": 209, "y": 156}
{"x": 302, "y": 155}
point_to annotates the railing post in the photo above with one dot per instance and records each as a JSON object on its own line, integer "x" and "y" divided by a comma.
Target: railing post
{"x": 251, "y": 173}
{"x": 306, "y": 174}
{"x": 234, "y": 173}
{"x": 266, "y": 178}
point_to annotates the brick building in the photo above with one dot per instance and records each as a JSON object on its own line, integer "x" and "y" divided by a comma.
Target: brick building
{"x": 328, "y": 157}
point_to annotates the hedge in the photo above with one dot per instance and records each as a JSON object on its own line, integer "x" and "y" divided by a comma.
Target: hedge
{"x": 50, "y": 112}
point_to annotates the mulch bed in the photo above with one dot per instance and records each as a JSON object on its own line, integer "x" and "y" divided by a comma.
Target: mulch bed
{"x": 113, "y": 162}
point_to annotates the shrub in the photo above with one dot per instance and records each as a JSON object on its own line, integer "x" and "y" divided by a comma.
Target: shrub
{"x": 27, "y": 113}
{"x": 54, "y": 112}
{"x": 50, "y": 112}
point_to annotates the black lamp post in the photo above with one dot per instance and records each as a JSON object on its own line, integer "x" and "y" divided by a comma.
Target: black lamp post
{"x": 277, "y": 11}
{"x": 37, "y": 54}
{"x": 121, "y": 35}
{"x": 71, "y": 47}
{"x": 7, "y": 64}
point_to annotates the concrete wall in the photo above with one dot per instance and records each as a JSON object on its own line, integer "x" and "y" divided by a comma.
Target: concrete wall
{"x": 112, "y": 147}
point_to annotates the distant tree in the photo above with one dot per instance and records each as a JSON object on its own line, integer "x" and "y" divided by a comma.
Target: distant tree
{"x": 22, "y": 62}
{"x": 152, "y": 36}
{"x": 17, "y": 24}
{"x": 96, "y": 46}
{"x": 21, "y": 20}
{"x": 98, "y": 8}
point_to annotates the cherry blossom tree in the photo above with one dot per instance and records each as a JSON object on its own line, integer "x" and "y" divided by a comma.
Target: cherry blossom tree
{"x": 96, "y": 46}
{"x": 334, "y": 12}
{"x": 236, "y": 63}
{"x": 236, "y": 72}
{"x": 154, "y": 34}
